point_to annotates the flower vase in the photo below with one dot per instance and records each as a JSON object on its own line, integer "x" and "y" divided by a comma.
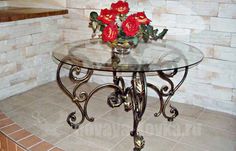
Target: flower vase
{"x": 122, "y": 48}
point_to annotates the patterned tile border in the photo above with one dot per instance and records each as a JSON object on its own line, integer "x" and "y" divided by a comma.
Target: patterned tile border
{"x": 15, "y": 138}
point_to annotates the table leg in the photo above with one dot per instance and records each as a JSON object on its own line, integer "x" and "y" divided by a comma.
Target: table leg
{"x": 166, "y": 92}
{"x": 139, "y": 99}
{"x": 81, "y": 99}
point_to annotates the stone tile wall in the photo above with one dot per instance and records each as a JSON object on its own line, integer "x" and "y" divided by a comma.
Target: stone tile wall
{"x": 207, "y": 24}
{"x": 25, "y": 53}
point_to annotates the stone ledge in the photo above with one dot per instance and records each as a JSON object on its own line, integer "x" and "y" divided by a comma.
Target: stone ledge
{"x": 8, "y": 14}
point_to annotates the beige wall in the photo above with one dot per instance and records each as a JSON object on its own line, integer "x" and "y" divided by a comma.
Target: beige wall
{"x": 25, "y": 53}
{"x": 208, "y": 25}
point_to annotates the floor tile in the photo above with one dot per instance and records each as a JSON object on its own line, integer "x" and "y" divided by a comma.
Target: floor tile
{"x": 73, "y": 143}
{"x": 60, "y": 99}
{"x": 43, "y": 146}
{"x": 2, "y": 117}
{"x": 211, "y": 139}
{"x": 22, "y": 99}
{"x": 10, "y": 129}
{"x": 102, "y": 133}
{"x": 6, "y": 107}
{"x": 5, "y": 122}
{"x": 119, "y": 116}
{"x": 30, "y": 141}
{"x": 217, "y": 120}
{"x": 159, "y": 126}
{"x": 44, "y": 90}
{"x": 96, "y": 108}
{"x": 56, "y": 149}
{"x": 188, "y": 112}
{"x": 20, "y": 135}
{"x": 44, "y": 109}
{"x": 53, "y": 129}
{"x": 185, "y": 147}
{"x": 25, "y": 117}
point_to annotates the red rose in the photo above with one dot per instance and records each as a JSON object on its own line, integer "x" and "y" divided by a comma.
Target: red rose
{"x": 120, "y": 7}
{"x": 130, "y": 26}
{"x": 142, "y": 18}
{"x": 107, "y": 16}
{"x": 110, "y": 33}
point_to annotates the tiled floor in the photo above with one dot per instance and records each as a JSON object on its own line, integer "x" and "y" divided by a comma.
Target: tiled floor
{"x": 43, "y": 111}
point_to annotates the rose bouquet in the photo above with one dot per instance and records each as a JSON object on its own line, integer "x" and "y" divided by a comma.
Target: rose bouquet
{"x": 121, "y": 30}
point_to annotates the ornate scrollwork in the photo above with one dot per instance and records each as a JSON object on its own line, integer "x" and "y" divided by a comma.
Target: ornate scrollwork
{"x": 139, "y": 100}
{"x": 81, "y": 99}
{"x": 133, "y": 98}
{"x": 128, "y": 105}
{"x": 166, "y": 92}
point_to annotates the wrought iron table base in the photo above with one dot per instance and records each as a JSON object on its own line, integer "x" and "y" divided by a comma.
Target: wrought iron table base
{"x": 137, "y": 92}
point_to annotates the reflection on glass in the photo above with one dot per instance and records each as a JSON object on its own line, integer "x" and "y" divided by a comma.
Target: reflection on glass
{"x": 153, "y": 56}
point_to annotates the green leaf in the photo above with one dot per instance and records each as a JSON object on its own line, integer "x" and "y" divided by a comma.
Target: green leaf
{"x": 162, "y": 34}
{"x": 145, "y": 37}
{"x": 143, "y": 27}
{"x": 102, "y": 26}
{"x": 150, "y": 29}
{"x": 155, "y": 32}
{"x": 93, "y": 16}
{"x": 135, "y": 41}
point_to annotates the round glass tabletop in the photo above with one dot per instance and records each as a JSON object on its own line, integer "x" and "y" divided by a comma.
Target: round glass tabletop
{"x": 159, "y": 55}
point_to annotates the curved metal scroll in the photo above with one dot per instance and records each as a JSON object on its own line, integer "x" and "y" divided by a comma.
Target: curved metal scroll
{"x": 167, "y": 91}
{"x": 170, "y": 93}
{"x": 81, "y": 99}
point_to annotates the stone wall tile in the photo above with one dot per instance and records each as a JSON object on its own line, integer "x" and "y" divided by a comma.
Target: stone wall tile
{"x": 193, "y": 8}
{"x": 8, "y": 69}
{"x": 75, "y": 35}
{"x": 205, "y": 8}
{"x": 158, "y": 4}
{"x": 23, "y": 41}
{"x": 18, "y": 88}
{"x": 193, "y": 22}
{"x": 233, "y": 40}
{"x": 222, "y": 24}
{"x": 221, "y": 93}
{"x": 4, "y": 83}
{"x": 22, "y": 76}
{"x": 234, "y": 95}
{"x": 207, "y": 49}
{"x": 227, "y": 10}
{"x": 16, "y": 55}
{"x": 84, "y": 4}
{"x": 179, "y": 7}
{"x": 168, "y": 20}
{"x": 5, "y": 46}
{"x": 178, "y": 34}
{"x": 10, "y": 32}
{"x": 225, "y": 53}
{"x": 223, "y": 72}
{"x": 45, "y": 37}
{"x": 76, "y": 13}
{"x": 211, "y": 37}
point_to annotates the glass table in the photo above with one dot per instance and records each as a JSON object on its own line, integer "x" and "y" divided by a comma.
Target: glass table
{"x": 165, "y": 58}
